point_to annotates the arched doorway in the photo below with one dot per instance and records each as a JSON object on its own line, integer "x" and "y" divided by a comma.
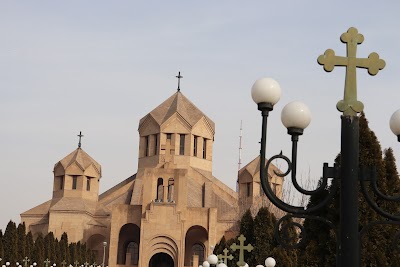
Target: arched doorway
{"x": 196, "y": 241}
{"x": 95, "y": 244}
{"x": 161, "y": 260}
{"x": 128, "y": 245}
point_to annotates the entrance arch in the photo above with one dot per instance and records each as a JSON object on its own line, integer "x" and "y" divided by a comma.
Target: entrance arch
{"x": 161, "y": 259}
{"x": 128, "y": 244}
{"x": 196, "y": 241}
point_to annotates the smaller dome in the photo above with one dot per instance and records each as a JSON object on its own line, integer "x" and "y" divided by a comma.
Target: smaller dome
{"x": 78, "y": 159}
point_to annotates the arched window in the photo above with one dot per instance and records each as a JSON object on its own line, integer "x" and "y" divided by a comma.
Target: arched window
{"x": 197, "y": 249}
{"x": 133, "y": 249}
{"x": 160, "y": 190}
{"x": 170, "y": 189}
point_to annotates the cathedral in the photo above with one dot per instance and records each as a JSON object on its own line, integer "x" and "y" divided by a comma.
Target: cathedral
{"x": 170, "y": 213}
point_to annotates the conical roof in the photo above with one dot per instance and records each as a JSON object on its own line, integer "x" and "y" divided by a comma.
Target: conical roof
{"x": 178, "y": 103}
{"x": 80, "y": 158}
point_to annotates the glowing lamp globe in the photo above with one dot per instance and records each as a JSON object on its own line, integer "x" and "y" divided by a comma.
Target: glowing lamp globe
{"x": 212, "y": 259}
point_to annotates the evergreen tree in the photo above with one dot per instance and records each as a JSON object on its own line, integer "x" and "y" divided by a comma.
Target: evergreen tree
{"x": 264, "y": 224}
{"x": 39, "y": 251}
{"x": 64, "y": 251}
{"x": 21, "y": 242}
{"x": 10, "y": 243}
{"x": 1, "y": 245}
{"x": 49, "y": 247}
{"x": 29, "y": 245}
{"x": 247, "y": 229}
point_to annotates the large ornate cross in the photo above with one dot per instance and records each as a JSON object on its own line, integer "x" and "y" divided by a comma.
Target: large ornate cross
{"x": 350, "y": 105}
{"x": 225, "y": 257}
{"x": 26, "y": 261}
{"x": 241, "y": 248}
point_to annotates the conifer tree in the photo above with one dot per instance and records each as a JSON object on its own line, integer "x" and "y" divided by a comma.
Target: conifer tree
{"x": 1, "y": 245}
{"x": 21, "y": 242}
{"x": 264, "y": 224}
{"x": 10, "y": 243}
{"x": 29, "y": 245}
{"x": 247, "y": 229}
{"x": 64, "y": 251}
{"x": 38, "y": 251}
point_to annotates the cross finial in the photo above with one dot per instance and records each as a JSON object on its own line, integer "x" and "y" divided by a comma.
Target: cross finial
{"x": 80, "y": 139}
{"x": 225, "y": 257}
{"x": 26, "y": 261}
{"x": 241, "y": 248}
{"x": 350, "y": 106}
{"x": 179, "y": 80}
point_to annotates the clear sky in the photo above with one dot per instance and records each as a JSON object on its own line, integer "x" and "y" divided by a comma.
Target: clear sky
{"x": 99, "y": 66}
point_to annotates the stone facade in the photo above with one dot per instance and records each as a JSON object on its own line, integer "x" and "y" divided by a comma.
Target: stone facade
{"x": 167, "y": 214}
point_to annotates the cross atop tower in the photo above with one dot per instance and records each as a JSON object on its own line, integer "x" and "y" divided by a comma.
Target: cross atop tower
{"x": 350, "y": 106}
{"x": 241, "y": 247}
{"x": 179, "y": 80}
{"x": 80, "y": 138}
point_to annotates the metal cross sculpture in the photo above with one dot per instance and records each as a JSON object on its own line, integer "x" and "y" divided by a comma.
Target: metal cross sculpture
{"x": 350, "y": 105}
{"x": 80, "y": 139}
{"x": 241, "y": 248}
{"x": 225, "y": 257}
{"x": 179, "y": 80}
{"x": 76, "y": 263}
{"x": 86, "y": 264}
{"x": 26, "y": 261}
{"x": 63, "y": 263}
{"x": 46, "y": 263}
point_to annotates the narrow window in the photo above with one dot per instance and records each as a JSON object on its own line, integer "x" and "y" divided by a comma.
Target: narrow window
{"x": 182, "y": 144}
{"x": 74, "y": 181}
{"x": 248, "y": 189}
{"x": 203, "y": 195}
{"x": 195, "y": 146}
{"x": 61, "y": 182}
{"x": 169, "y": 136}
{"x": 146, "y": 146}
{"x": 155, "y": 144}
{"x": 160, "y": 190}
{"x": 170, "y": 189}
{"x": 204, "y": 148}
{"x": 87, "y": 184}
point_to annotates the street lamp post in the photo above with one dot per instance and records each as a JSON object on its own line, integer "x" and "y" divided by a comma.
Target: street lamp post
{"x": 296, "y": 117}
{"x": 104, "y": 252}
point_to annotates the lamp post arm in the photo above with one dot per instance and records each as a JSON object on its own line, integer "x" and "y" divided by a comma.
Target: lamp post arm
{"x": 267, "y": 188}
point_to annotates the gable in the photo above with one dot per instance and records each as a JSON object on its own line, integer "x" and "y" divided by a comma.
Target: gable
{"x": 176, "y": 124}
{"x": 74, "y": 169}
{"x": 203, "y": 128}
{"x": 149, "y": 126}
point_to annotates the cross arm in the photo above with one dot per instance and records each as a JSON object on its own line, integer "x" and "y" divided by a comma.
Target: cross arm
{"x": 329, "y": 60}
{"x": 373, "y": 63}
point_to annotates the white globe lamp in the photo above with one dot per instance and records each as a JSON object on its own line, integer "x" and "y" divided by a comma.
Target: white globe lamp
{"x": 270, "y": 262}
{"x": 266, "y": 92}
{"x": 395, "y": 123}
{"x": 296, "y": 116}
{"x": 206, "y": 264}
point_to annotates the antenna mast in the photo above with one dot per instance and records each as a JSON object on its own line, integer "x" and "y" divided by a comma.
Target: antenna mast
{"x": 240, "y": 155}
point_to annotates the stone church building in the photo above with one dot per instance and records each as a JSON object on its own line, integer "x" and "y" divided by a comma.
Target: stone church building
{"x": 167, "y": 214}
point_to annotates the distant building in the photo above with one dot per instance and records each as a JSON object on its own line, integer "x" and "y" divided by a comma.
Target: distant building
{"x": 167, "y": 214}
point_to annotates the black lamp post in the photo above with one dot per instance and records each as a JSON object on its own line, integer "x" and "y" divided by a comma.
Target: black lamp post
{"x": 296, "y": 117}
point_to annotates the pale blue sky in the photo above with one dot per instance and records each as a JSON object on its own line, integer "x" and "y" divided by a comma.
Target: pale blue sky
{"x": 99, "y": 66}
